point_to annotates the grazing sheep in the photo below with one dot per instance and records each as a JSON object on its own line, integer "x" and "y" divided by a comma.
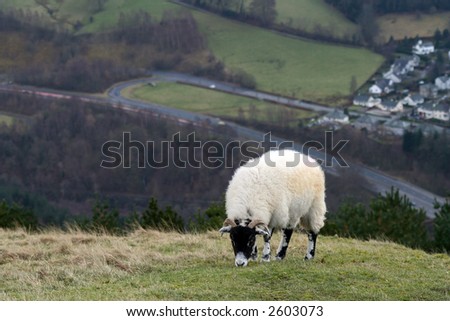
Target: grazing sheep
{"x": 281, "y": 189}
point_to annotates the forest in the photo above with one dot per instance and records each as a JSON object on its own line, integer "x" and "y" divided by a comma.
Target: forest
{"x": 353, "y": 9}
{"x": 57, "y": 153}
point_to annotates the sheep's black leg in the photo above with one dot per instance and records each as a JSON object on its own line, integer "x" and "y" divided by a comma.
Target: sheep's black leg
{"x": 281, "y": 253}
{"x": 266, "y": 250}
{"x": 312, "y": 238}
{"x": 254, "y": 255}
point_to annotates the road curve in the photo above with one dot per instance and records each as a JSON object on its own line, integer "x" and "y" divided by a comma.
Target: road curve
{"x": 379, "y": 182}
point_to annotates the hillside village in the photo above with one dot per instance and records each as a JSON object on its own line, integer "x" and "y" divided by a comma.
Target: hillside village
{"x": 399, "y": 99}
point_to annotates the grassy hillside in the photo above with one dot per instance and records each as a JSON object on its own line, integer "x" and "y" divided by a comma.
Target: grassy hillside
{"x": 305, "y": 69}
{"x": 150, "y": 265}
{"x": 216, "y": 103}
{"x": 410, "y": 25}
{"x": 313, "y": 16}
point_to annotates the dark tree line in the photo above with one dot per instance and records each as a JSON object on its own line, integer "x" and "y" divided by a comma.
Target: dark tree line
{"x": 393, "y": 217}
{"x": 58, "y": 155}
{"x": 262, "y": 12}
{"x": 353, "y": 9}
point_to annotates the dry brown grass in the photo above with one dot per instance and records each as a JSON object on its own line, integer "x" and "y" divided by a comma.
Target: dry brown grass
{"x": 55, "y": 258}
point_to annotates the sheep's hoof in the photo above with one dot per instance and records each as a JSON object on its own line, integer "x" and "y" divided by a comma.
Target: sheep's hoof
{"x": 308, "y": 258}
{"x": 265, "y": 258}
{"x": 279, "y": 258}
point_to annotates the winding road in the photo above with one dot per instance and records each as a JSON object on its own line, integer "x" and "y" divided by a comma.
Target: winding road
{"x": 379, "y": 182}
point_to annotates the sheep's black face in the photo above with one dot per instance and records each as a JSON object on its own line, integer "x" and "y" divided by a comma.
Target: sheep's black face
{"x": 243, "y": 240}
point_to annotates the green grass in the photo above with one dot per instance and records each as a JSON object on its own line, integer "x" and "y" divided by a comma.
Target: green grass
{"x": 6, "y": 120}
{"x": 304, "y": 69}
{"x": 108, "y": 18}
{"x": 150, "y": 265}
{"x": 314, "y": 15}
{"x": 215, "y": 103}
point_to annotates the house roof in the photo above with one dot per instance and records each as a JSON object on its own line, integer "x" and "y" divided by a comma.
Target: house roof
{"x": 400, "y": 63}
{"x": 382, "y": 83}
{"x": 417, "y": 97}
{"x": 444, "y": 79}
{"x": 366, "y": 119}
{"x": 362, "y": 98}
{"x": 389, "y": 104}
{"x": 435, "y": 107}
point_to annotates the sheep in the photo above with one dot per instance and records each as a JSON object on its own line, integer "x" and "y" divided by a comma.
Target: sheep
{"x": 279, "y": 190}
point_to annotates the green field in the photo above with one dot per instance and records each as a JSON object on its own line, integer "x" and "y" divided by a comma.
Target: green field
{"x": 6, "y": 120}
{"x": 151, "y": 265}
{"x": 315, "y": 16}
{"x": 304, "y": 69}
{"x": 216, "y": 103}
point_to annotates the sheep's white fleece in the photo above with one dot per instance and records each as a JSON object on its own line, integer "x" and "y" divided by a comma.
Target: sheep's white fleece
{"x": 282, "y": 188}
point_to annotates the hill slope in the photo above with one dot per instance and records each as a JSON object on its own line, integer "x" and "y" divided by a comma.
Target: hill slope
{"x": 315, "y": 16}
{"x": 151, "y": 265}
{"x": 301, "y": 68}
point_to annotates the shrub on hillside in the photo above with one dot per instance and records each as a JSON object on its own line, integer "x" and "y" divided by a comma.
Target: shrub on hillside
{"x": 442, "y": 227}
{"x": 167, "y": 219}
{"x": 211, "y": 219}
{"x": 390, "y": 216}
{"x": 14, "y": 215}
{"x": 105, "y": 218}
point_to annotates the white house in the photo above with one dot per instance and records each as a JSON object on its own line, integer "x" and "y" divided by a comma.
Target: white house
{"x": 366, "y": 101}
{"x": 423, "y": 48}
{"x": 381, "y": 86}
{"x": 443, "y": 82}
{"x": 391, "y": 106}
{"x": 336, "y": 116}
{"x": 413, "y": 100}
{"x": 393, "y": 76}
{"x": 436, "y": 111}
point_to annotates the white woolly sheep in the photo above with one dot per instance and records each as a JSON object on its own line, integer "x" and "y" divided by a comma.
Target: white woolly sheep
{"x": 281, "y": 189}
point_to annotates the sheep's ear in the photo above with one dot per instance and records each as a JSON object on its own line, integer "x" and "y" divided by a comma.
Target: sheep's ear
{"x": 225, "y": 229}
{"x": 227, "y": 226}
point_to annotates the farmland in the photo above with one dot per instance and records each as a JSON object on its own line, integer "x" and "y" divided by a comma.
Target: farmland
{"x": 214, "y": 103}
{"x": 313, "y": 15}
{"x": 411, "y": 25}
{"x": 294, "y": 67}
